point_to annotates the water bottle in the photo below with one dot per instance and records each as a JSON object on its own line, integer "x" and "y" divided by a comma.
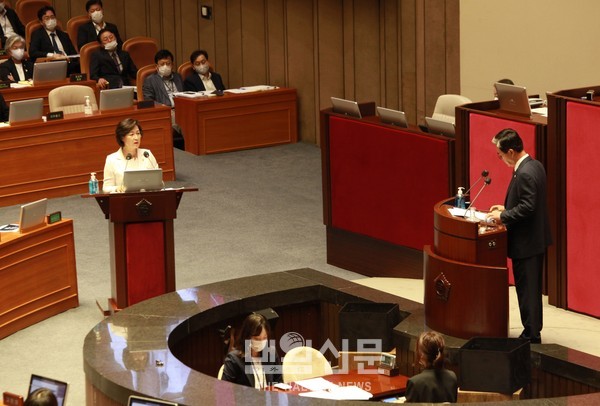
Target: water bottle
{"x": 87, "y": 107}
{"x": 459, "y": 199}
{"x": 93, "y": 184}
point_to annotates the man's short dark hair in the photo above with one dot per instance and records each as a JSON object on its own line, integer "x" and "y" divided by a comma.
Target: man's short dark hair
{"x": 197, "y": 53}
{"x": 91, "y": 3}
{"x": 508, "y": 139}
{"x": 506, "y": 81}
{"x": 102, "y": 31}
{"x": 163, "y": 54}
{"x": 44, "y": 10}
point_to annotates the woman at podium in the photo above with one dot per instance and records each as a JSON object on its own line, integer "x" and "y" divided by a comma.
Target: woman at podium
{"x": 128, "y": 156}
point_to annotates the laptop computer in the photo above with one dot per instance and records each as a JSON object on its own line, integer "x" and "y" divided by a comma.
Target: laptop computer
{"x": 393, "y": 117}
{"x": 513, "y": 99}
{"x": 440, "y": 127}
{"x": 347, "y": 107}
{"x": 139, "y": 180}
{"x": 32, "y": 215}
{"x": 26, "y": 110}
{"x": 59, "y": 388}
{"x": 141, "y": 401}
{"x": 54, "y": 71}
{"x": 112, "y": 99}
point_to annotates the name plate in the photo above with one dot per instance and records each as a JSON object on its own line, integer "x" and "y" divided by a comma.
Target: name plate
{"x": 78, "y": 77}
{"x": 55, "y": 115}
{"x": 54, "y": 217}
{"x": 145, "y": 104}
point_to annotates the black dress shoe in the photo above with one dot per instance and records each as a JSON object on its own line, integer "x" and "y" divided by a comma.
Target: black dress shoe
{"x": 531, "y": 340}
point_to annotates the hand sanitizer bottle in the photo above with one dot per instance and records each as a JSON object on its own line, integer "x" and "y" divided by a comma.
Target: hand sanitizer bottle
{"x": 459, "y": 199}
{"x": 87, "y": 107}
{"x": 93, "y": 184}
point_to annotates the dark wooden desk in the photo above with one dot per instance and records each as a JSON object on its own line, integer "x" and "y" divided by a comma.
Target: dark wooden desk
{"x": 38, "y": 276}
{"x": 41, "y": 91}
{"x": 55, "y": 159}
{"x": 238, "y": 121}
{"x": 380, "y": 386}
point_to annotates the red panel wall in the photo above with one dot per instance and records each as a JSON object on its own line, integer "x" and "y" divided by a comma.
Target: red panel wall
{"x": 385, "y": 181}
{"x": 583, "y": 201}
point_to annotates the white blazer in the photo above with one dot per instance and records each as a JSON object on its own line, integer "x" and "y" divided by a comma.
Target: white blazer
{"x": 115, "y": 166}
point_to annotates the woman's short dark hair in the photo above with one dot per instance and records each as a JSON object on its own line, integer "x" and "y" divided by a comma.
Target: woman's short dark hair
{"x": 430, "y": 350}
{"x": 252, "y": 326}
{"x": 508, "y": 139}
{"x": 41, "y": 397}
{"x": 197, "y": 53}
{"x": 163, "y": 54}
{"x": 90, "y": 3}
{"x": 125, "y": 127}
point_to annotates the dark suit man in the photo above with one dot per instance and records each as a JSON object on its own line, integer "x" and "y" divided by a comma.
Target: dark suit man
{"x": 525, "y": 215}
{"x": 89, "y": 31}
{"x": 9, "y": 16}
{"x": 202, "y": 79}
{"x": 110, "y": 67}
{"x": 50, "y": 42}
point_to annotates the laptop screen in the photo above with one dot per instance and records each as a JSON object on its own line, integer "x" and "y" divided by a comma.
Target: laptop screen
{"x": 135, "y": 180}
{"x": 140, "y": 401}
{"x": 59, "y": 388}
{"x": 54, "y": 71}
{"x": 26, "y": 110}
{"x": 111, "y": 99}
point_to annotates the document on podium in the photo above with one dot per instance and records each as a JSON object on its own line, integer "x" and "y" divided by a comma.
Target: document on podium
{"x": 349, "y": 392}
{"x": 464, "y": 213}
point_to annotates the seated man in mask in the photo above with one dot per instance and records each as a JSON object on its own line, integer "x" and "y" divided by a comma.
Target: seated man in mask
{"x": 49, "y": 41}
{"x": 10, "y": 24}
{"x": 160, "y": 87}
{"x": 202, "y": 79}
{"x": 110, "y": 67}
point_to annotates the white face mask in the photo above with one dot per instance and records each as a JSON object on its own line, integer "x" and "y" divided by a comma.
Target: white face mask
{"x": 50, "y": 24}
{"x": 258, "y": 345}
{"x": 111, "y": 46}
{"x": 201, "y": 69}
{"x": 164, "y": 70}
{"x": 97, "y": 16}
{"x": 18, "y": 53}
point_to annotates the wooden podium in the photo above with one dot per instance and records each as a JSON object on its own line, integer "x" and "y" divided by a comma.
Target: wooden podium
{"x": 142, "y": 248}
{"x": 466, "y": 278}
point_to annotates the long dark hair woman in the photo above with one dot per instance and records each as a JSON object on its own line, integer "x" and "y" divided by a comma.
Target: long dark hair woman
{"x": 435, "y": 383}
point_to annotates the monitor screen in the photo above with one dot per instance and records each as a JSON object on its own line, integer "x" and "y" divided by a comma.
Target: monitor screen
{"x": 33, "y": 215}
{"x": 393, "y": 117}
{"x": 347, "y": 107}
{"x": 440, "y": 127}
{"x": 111, "y": 99}
{"x": 140, "y": 401}
{"x": 59, "y": 388}
{"x": 53, "y": 71}
{"x": 513, "y": 99}
{"x": 26, "y": 110}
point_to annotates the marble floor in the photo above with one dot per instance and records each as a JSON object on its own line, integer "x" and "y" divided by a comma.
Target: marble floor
{"x": 562, "y": 327}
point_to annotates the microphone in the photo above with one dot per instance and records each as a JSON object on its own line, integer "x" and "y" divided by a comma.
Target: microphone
{"x": 128, "y": 158}
{"x": 486, "y": 182}
{"x": 484, "y": 174}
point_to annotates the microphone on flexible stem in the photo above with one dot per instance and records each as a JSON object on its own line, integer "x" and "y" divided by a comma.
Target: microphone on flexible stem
{"x": 146, "y": 155}
{"x": 486, "y": 182}
{"x": 484, "y": 174}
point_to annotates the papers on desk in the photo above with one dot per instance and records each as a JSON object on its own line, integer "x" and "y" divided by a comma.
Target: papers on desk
{"x": 21, "y": 84}
{"x": 249, "y": 89}
{"x": 458, "y": 212}
{"x": 194, "y": 95}
{"x": 541, "y": 110}
{"x": 323, "y": 389}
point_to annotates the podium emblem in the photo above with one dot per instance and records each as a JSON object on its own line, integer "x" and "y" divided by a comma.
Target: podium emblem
{"x": 442, "y": 287}
{"x": 144, "y": 208}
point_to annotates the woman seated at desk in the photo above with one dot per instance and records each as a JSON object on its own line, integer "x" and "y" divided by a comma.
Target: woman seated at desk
{"x": 249, "y": 363}
{"x": 436, "y": 383}
{"x": 128, "y": 156}
{"x": 16, "y": 68}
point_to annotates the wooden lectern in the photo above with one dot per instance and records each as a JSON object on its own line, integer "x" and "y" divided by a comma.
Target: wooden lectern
{"x": 466, "y": 278}
{"x": 142, "y": 248}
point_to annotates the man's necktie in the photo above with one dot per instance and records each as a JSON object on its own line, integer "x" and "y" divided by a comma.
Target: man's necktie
{"x": 55, "y": 44}
{"x": 114, "y": 57}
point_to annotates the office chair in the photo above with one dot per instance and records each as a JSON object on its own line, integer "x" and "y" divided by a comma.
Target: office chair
{"x": 304, "y": 363}
{"x": 445, "y": 106}
{"x": 71, "y": 98}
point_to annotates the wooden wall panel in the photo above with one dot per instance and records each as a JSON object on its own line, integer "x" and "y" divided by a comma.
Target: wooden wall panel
{"x": 398, "y": 53}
